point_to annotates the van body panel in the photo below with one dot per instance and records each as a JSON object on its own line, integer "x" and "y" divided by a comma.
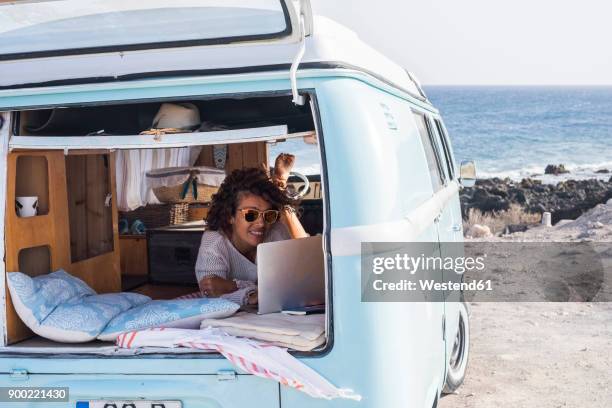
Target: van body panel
{"x": 194, "y": 391}
{"x": 331, "y": 44}
{"x": 393, "y": 354}
{"x": 385, "y": 162}
{"x": 186, "y": 84}
{"x": 385, "y": 180}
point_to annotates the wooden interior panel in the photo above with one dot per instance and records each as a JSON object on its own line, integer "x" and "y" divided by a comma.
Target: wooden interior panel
{"x": 77, "y": 209}
{"x": 242, "y": 155}
{"x": 133, "y": 255}
{"x": 52, "y": 230}
{"x": 103, "y": 272}
{"x": 234, "y": 157}
{"x": 206, "y": 157}
{"x": 33, "y": 186}
{"x": 197, "y": 213}
{"x": 35, "y": 261}
{"x": 91, "y": 232}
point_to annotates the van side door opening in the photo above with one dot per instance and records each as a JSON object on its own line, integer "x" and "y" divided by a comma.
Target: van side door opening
{"x": 94, "y": 164}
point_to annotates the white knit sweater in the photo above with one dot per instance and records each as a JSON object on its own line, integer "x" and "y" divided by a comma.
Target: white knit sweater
{"x": 218, "y": 256}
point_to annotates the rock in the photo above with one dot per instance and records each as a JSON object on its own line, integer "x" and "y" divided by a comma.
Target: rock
{"x": 516, "y": 194}
{"x": 567, "y": 199}
{"x": 526, "y": 183}
{"x": 512, "y": 228}
{"x": 586, "y": 234}
{"x": 603, "y": 171}
{"x": 479, "y": 231}
{"x": 537, "y": 208}
{"x": 555, "y": 169}
{"x": 595, "y": 225}
{"x": 609, "y": 202}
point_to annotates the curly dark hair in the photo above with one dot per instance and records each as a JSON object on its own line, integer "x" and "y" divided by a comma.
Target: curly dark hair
{"x": 251, "y": 180}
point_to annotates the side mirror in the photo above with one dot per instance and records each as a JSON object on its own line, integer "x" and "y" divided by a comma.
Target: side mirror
{"x": 467, "y": 173}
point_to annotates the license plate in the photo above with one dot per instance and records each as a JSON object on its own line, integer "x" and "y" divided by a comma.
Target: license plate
{"x": 128, "y": 404}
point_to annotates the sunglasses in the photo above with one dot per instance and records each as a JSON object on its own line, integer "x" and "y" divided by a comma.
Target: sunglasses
{"x": 252, "y": 215}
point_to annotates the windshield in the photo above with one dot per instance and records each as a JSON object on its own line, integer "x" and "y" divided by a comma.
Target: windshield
{"x": 73, "y": 26}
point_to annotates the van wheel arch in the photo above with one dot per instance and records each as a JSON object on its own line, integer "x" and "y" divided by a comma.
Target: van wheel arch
{"x": 457, "y": 365}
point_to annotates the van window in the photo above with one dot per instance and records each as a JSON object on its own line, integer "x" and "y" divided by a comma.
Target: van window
{"x": 433, "y": 163}
{"x": 65, "y": 26}
{"x": 450, "y": 165}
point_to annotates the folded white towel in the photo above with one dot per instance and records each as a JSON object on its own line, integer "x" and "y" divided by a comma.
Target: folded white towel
{"x": 298, "y": 332}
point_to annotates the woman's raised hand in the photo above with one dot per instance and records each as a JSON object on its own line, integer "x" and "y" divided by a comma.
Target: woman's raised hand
{"x": 282, "y": 167}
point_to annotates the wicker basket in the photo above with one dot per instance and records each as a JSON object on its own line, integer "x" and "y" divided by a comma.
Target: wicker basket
{"x": 173, "y": 194}
{"x": 179, "y": 213}
{"x": 198, "y": 212}
{"x": 152, "y": 215}
{"x": 158, "y": 215}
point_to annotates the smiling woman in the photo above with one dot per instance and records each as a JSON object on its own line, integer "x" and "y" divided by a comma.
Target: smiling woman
{"x": 249, "y": 209}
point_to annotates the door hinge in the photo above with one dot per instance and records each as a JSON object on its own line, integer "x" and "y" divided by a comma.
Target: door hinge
{"x": 226, "y": 375}
{"x": 437, "y": 219}
{"x": 19, "y": 374}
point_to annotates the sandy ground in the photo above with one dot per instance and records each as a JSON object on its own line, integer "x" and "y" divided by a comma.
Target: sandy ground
{"x": 542, "y": 355}
{"x": 538, "y": 355}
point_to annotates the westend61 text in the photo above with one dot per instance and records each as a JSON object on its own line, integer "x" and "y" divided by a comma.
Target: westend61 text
{"x": 432, "y": 285}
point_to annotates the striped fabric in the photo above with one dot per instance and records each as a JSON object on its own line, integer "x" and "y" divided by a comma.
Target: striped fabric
{"x": 218, "y": 256}
{"x": 253, "y": 357}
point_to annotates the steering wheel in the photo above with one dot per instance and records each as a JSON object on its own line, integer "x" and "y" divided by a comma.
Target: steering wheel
{"x": 301, "y": 192}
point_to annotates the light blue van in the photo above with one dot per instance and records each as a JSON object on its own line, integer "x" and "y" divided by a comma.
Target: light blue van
{"x": 387, "y": 174}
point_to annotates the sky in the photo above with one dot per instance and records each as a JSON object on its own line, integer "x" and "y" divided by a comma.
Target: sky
{"x": 486, "y": 42}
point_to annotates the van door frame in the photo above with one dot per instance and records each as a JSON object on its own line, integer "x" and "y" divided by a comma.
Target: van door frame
{"x": 11, "y": 127}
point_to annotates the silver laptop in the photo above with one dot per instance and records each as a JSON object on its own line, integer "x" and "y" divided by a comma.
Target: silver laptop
{"x": 290, "y": 274}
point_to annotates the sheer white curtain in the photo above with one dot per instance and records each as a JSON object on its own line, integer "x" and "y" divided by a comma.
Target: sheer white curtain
{"x": 132, "y": 165}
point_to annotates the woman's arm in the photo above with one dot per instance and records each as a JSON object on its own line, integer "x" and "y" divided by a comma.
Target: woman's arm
{"x": 292, "y": 222}
{"x": 213, "y": 271}
{"x": 282, "y": 168}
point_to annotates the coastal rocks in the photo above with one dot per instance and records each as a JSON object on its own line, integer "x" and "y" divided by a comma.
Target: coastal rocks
{"x": 555, "y": 169}
{"x": 512, "y": 228}
{"x": 565, "y": 200}
{"x": 479, "y": 231}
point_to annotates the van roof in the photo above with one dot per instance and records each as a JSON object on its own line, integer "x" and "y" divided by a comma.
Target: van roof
{"x": 330, "y": 46}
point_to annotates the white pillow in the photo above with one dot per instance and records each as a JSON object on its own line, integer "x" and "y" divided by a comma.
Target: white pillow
{"x": 61, "y": 307}
{"x": 181, "y": 313}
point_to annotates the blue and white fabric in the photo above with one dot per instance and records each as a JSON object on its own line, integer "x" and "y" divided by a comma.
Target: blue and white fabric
{"x": 84, "y": 318}
{"x": 61, "y": 307}
{"x": 42, "y": 294}
{"x": 178, "y": 313}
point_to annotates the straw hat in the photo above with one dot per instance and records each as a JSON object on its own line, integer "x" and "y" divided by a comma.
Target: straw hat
{"x": 184, "y": 116}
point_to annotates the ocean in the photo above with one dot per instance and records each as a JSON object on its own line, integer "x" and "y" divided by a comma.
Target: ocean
{"x": 515, "y": 131}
